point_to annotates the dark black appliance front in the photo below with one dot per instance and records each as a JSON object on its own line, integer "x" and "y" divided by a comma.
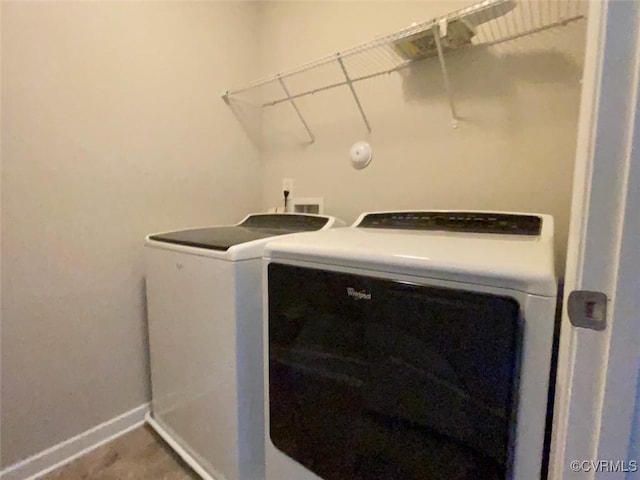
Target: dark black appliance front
{"x": 373, "y": 379}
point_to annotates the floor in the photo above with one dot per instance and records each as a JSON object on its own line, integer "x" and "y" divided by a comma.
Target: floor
{"x": 137, "y": 455}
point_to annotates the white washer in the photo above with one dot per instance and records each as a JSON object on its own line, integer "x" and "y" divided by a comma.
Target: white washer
{"x": 413, "y": 345}
{"x": 204, "y": 301}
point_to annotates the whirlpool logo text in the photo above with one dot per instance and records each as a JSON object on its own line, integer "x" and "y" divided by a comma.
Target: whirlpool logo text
{"x": 358, "y": 294}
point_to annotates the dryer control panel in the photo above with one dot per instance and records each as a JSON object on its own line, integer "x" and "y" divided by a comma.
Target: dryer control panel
{"x": 467, "y": 222}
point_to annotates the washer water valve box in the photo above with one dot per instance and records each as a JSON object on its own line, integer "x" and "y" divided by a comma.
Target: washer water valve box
{"x": 306, "y": 205}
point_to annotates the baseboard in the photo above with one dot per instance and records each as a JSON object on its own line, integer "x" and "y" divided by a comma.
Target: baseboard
{"x": 179, "y": 450}
{"x": 68, "y": 450}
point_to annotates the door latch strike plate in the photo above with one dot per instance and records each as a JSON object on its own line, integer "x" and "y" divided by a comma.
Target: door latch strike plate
{"x": 588, "y": 309}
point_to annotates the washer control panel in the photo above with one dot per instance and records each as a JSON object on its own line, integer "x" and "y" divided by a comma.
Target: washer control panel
{"x": 468, "y": 222}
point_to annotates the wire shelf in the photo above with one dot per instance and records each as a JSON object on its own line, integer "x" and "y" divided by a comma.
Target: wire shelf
{"x": 487, "y": 23}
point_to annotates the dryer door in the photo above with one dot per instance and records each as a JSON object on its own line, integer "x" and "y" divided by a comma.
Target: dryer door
{"x": 375, "y": 379}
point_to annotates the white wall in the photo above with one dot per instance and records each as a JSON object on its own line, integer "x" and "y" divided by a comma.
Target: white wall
{"x": 513, "y": 150}
{"x": 112, "y": 127}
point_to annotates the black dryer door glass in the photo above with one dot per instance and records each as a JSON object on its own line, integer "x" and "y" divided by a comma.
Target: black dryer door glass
{"x": 373, "y": 379}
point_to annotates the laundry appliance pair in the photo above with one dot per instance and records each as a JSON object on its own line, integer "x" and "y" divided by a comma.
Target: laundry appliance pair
{"x": 413, "y": 345}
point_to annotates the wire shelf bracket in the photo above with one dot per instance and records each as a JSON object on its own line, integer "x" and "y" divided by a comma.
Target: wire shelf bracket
{"x": 312, "y": 137}
{"x": 469, "y": 27}
{"x": 438, "y": 31}
{"x": 353, "y": 92}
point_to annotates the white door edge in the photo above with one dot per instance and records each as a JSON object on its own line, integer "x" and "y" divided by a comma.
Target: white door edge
{"x": 577, "y": 228}
{"x": 595, "y": 393}
{"x": 623, "y": 355}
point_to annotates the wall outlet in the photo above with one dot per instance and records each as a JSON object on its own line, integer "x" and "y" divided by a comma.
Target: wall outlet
{"x": 287, "y": 185}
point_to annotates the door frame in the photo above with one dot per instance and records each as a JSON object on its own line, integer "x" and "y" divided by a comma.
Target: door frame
{"x": 597, "y": 371}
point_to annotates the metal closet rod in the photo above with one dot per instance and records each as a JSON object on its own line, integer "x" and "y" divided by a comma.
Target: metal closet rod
{"x": 312, "y": 138}
{"x": 318, "y": 63}
{"x": 478, "y": 9}
{"x": 338, "y": 84}
{"x": 402, "y": 65}
{"x": 445, "y": 75}
{"x": 353, "y": 91}
{"x": 564, "y": 22}
{"x": 349, "y": 81}
{"x": 437, "y": 26}
{"x": 381, "y": 42}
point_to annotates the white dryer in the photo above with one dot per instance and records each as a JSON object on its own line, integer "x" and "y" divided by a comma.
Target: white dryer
{"x": 204, "y": 301}
{"x": 411, "y": 346}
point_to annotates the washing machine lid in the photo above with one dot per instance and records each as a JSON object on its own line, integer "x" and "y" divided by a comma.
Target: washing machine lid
{"x": 505, "y": 250}
{"x": 249, "y": 233}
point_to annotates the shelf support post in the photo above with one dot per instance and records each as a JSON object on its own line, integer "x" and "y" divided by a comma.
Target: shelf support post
{"x": 353, "y": 91}
{"x": 445, "y": 75}
{"x": 295, "y": 107}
